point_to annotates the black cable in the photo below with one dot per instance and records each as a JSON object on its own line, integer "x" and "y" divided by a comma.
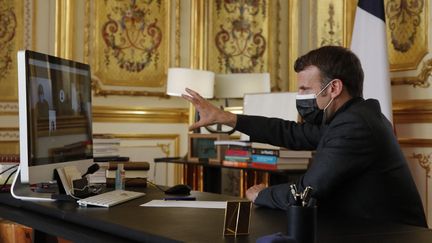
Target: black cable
{"x": 8, "y": 169}
{"x": 153, "y": 184}
{"x": 7, "y": 179}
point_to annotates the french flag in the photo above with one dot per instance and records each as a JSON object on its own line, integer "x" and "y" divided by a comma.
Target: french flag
{"x": 369, "y": 44}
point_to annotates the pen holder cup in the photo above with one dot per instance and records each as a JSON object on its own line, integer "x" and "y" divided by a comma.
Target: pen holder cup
{"x": 302, "y": 223}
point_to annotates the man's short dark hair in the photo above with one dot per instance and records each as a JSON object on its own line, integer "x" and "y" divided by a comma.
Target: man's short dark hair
{"x": 335, "y": 62}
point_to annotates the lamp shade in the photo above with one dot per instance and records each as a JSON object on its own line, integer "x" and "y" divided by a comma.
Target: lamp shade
{"x": 197, "y": 80}
{"x": 235, "y": 85}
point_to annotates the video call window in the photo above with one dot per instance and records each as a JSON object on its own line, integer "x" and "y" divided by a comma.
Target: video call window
{"x": 60, "y": 107}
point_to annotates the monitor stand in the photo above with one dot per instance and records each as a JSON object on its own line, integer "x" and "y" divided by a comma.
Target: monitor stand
{"x": 22, "y": 191}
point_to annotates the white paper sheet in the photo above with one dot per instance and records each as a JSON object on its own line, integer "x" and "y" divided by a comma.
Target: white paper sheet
{"x": 185, "y": 204}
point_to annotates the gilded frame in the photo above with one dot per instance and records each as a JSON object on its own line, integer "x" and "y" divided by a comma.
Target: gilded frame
{"x": 226, "y": 39}
{"x": 11, "y": 40}
{"x": 113, "y": 72}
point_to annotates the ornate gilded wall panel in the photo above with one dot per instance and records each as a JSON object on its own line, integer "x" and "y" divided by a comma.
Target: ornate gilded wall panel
{"x": 243, "y": 37}
{"x": 407, "y": 32}
{"x": 128, "y": 44}
{"x": 239, "y": 36}
{"x": 331, "y": 22}
{"x": 11, "y": 36}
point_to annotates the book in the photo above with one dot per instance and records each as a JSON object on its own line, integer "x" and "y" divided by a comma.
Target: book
{"x": 264, "y": 146}
{"x": 239, "y": 164}
{"x": 237, "y": 152}
{"x": 129, "y": 165}
{"x": 128, "y": 173}
{"x": 129, "y": 182}
{"x": 268, "y": 159}
{"x": 233, "y": 142}
{"x": 293, "y": 160}
{"x": 277, "y": 166}
{"x": 263, "y": 151}
{"x": 286, "y": 153}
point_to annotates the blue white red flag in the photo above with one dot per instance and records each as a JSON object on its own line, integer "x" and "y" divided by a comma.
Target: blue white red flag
{"x": 370, "y": 45}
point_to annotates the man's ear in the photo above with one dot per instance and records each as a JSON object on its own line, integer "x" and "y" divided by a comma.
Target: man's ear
{"x": 336, "y": 88}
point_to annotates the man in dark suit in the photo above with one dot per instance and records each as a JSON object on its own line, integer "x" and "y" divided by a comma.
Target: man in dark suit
{"x": 358, "y": 169}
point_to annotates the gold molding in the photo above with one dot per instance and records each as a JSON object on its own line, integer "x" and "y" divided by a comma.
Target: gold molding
{"x": 9, "y": 147}
{"x": 177, "y": 33}
{"x": 147, "y": 115}
{"x": 425, "y": 162}
{"x": 415, "y": 142}
{"x": 99, "y": 91}
{"x": 349, "y": 17}
{"x": 9, "y": 134}
{"x": 412, "y": 111}
{"x": 420, "y": 80}
{"x": 293, "y": 48}
{"x": 64, "y": 28}
{"x": 198, "y": 21}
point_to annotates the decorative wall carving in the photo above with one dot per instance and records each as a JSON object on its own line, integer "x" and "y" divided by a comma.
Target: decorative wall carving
{"x": 240, "y": 36}
{"x": 421, "y": 80}
{"x": 11, "y": 31}
{"x": 331, "y": 22}
{"x": 245, "y": 37}
{"x": 404, "y": 19}
{"x": 9, "y": 134}
{"x": 331, "y": 32}
{"x": 128, "y": 43}
{"x": 425, "y": 162}
{"x": 407, "y": 27}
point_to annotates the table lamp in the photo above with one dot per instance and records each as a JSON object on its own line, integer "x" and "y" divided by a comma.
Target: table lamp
{"x": 198, "y": 80}
{"x": 236, "y": 85}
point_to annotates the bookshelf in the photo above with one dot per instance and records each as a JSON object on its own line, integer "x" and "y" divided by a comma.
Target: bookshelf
{"x": 206, "y": 177}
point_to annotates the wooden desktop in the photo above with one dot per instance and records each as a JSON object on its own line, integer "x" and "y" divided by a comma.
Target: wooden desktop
{"x": 129, "y": 222}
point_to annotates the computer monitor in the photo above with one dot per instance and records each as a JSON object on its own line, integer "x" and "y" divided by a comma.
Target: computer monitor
{"x": 55, "y": 119}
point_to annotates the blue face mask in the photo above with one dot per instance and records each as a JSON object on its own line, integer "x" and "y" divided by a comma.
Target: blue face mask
{"x": 308, "y": 109}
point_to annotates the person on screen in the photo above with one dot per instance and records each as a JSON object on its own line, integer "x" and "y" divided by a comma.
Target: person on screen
{"x": 358, "y": 169}
{"x": 42, "y": 105}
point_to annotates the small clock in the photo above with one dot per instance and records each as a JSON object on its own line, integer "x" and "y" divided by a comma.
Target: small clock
{"x": 202, "y": 148}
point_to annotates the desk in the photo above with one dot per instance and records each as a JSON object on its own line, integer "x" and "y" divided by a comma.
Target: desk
{"x": 129, "y": 222}
{"x": 204, "y": 176}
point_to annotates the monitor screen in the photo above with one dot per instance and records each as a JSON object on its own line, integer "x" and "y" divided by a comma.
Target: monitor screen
{"x": 55, "y": 115}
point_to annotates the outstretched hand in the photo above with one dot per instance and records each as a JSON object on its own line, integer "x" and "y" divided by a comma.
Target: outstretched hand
{"x": 253, "y": 191}
{"x": 209, "y": 114}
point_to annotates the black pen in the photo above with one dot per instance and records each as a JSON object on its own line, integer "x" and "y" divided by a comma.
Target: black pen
{"x": 180, "y": 199}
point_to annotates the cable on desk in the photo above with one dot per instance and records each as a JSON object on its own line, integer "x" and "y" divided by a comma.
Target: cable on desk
{"x": 153, "y": 184}
{"x": 8, "y": 169}
{"x": 7, "y": 179}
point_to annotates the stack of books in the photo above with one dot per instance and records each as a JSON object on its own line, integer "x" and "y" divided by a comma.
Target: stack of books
{"x": 264, "y": 156}
{"x": 237, "y": 153}
{"x": 135, "y": 173}
{"x": 283, "y": 159}
{"x": 294, "y": 159}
